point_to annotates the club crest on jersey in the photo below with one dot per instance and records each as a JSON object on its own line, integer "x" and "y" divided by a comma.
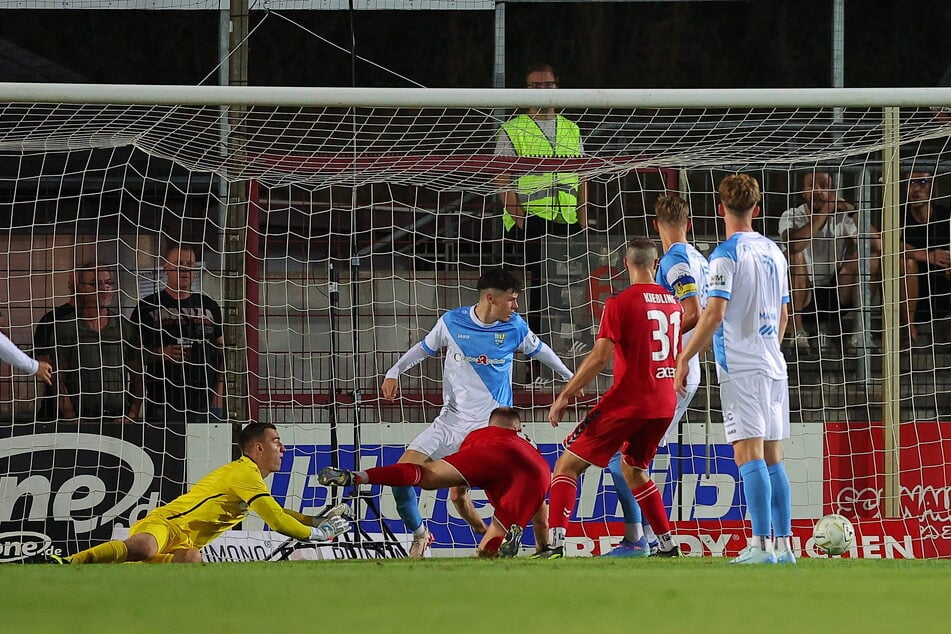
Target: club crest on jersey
{"x": 500, "y": 339}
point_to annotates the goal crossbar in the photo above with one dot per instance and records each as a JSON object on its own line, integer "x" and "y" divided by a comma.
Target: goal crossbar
{"x": 12, "y": 92}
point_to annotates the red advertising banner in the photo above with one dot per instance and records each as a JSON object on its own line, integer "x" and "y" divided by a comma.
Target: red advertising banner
{"x": 854, "y": 482}
{"x": 875, "y": 539}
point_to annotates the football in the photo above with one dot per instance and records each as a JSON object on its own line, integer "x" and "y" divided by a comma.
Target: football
{"x": 833, "y": 534}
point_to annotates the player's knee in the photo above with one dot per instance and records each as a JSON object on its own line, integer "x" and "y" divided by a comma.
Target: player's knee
{"x": 639, "y": 476}
{"x": 459, "y": 496}
{"x": 141, "y": 547}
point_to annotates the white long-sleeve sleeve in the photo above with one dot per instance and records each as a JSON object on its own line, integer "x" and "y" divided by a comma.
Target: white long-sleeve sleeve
{"x": 16, "y": 357}
{"x": 412, "y": 357}
{"x": 547, "y": 356}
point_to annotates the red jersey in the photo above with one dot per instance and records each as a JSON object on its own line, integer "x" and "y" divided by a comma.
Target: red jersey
{"x": 510, "y": 469}
{"x": 643, "y": 321}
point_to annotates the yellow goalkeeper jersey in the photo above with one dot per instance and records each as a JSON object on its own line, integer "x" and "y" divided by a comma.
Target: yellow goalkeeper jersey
{"x": 223, "y": 498}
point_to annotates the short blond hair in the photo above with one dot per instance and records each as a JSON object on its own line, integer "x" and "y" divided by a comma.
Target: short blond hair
{"x": 739, "y": 194}
{"x": 672, "y": 210}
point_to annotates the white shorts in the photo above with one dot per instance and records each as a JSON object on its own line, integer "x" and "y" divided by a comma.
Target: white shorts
{"x": 682, "y": 403}
{"x": 444, "y": 436}
{"x": 755, "y": 406}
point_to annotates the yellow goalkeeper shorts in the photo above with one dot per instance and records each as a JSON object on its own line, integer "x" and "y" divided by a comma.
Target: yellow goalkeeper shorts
{"x": 170, "y": 537}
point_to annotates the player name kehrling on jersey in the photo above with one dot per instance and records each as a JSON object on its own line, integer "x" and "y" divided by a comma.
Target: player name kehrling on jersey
{"x": 659, "y": 298}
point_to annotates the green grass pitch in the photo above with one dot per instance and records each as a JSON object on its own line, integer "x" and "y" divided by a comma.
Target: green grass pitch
{"x": 470, "y": 595}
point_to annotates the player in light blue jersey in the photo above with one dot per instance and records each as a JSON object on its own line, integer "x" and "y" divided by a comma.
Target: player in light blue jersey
{"x": 682, "y": 271}
{"x": 480, "y": 343}
{"x": 745, "y": 317}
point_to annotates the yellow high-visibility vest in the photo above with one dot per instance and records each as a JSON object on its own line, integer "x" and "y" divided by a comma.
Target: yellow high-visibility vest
{"x": 551, "y": 195}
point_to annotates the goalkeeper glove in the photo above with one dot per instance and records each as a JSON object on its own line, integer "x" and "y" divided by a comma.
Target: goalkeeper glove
{"x": 329, "y": 528}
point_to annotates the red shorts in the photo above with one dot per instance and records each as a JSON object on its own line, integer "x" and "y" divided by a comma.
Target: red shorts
{"x": 610, "y": 428}
{"x": 513, "y": 474}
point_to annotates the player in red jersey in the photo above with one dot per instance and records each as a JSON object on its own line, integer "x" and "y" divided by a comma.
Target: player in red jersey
{"x": 640, "y": 329}
{"x": 497, "y": 459}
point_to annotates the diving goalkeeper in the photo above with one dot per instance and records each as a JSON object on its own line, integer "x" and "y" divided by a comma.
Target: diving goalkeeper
{"x": 176, "y": 532}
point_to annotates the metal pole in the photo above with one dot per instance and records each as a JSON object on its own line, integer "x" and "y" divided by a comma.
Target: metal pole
{"x": 891, "y": 271}
{"x": 838, "y": 51}
{"x": 237, "y": 308}
{"x": 838, "y": 44}
{"x": 498, "y": 76}
{"x": 864, "y": 314}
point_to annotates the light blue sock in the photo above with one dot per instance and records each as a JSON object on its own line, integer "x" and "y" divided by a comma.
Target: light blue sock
{"x": 629, "y": 507}
{"x": 756, "y": 488}
{"x": 407, "y": 505}
{"x": 780, "y": 502}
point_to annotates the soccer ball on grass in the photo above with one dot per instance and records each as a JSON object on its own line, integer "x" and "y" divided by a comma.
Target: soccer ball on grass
{"x": 833, "y": 534}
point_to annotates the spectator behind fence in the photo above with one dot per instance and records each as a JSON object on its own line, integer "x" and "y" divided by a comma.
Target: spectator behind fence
{"x": 98, "y": 360}
{"x": 820, "y": 237}
{"x": 184, "y": 345}
{"x": 927, "y": 256}
{"x": 543, "y": 208}
{"x": 44, "y": 348}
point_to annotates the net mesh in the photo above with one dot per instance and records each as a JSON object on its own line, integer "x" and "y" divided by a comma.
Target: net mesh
{"x": 332, "y": 239}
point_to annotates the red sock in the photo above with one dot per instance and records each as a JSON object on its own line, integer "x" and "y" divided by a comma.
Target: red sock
{"x": 652, "y": 505}
{"x": 398, "y": 475}
{"x": 563, "y": 494}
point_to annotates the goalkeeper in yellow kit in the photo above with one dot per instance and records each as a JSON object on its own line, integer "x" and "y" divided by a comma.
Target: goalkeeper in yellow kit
{"x": 176, "y": 532}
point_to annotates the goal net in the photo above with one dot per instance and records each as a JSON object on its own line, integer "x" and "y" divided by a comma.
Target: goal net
{"x": 327, "y": 230}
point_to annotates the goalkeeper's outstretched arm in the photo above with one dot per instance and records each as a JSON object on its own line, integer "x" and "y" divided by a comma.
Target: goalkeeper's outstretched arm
{"x": 298, "y": 525}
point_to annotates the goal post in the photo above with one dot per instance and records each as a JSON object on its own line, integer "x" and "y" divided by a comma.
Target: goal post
{"x": 351, "y": 218}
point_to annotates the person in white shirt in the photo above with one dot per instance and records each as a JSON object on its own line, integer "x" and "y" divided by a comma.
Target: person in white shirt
{"x": 480, "y": 343}
{"x": 745, "y": 317}
{"x": 820, "y": 237}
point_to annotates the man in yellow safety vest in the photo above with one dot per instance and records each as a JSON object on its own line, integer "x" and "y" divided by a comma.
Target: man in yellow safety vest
{"x": 542, "y": 205}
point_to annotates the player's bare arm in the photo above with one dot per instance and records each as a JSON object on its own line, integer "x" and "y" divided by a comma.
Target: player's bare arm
{"x": 593, "y": 364}
{"x": 710, "y": 320}
{"x": 783, "y": 321}
{"x": 692, "y": 311}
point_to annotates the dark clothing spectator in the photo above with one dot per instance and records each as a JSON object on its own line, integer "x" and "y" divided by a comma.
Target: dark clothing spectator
{"x": 183, "y": 340}
{"x": 178, "y": 389}
{"x": 94, "y": 367}
{"x": 44, "y": 345}
{"x": 931, "y": 236}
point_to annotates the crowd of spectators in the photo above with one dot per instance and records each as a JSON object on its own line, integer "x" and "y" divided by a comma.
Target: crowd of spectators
{"x": 165, "y": 362}
{"x": 820, "y": 238}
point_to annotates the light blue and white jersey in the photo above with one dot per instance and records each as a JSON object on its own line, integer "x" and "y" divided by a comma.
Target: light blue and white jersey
{"x": 749, "y": 271}
{"x": 683, "y": 271}
{"x": 477, "y": 374}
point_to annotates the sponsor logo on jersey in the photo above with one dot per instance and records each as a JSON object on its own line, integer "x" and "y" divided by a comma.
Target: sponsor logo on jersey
{"x": 462, "y": 336}
{"x": 665, "y": 373}
{"x": 718, "y": 279}
{"x": 482, "y": 359}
